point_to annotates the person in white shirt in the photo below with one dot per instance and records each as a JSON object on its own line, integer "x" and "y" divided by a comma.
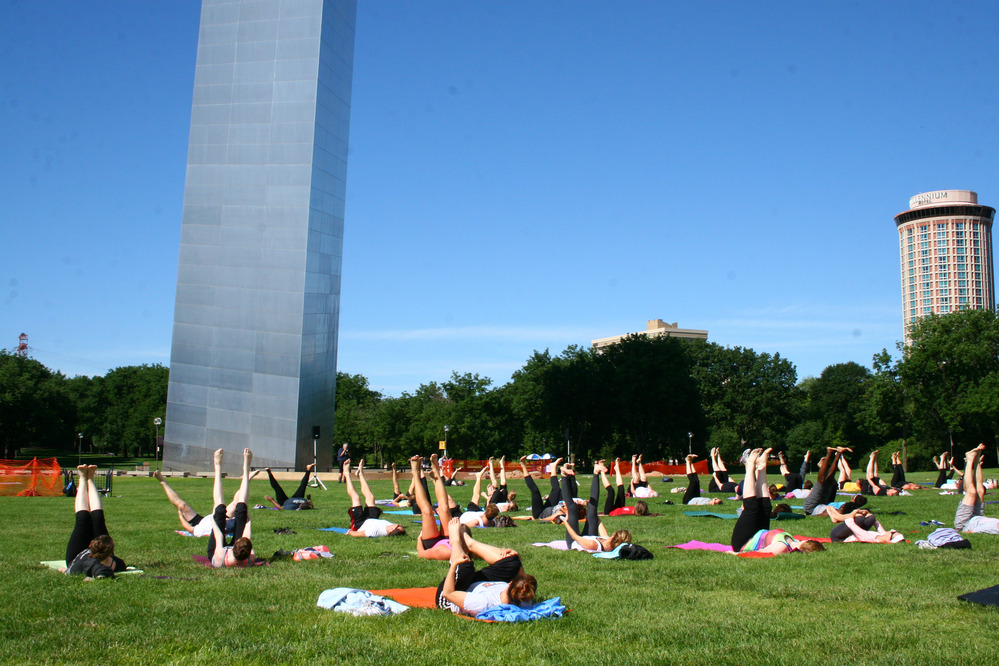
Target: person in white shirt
{"x": 364, "y": 519}
{"x": 503, "y": 581}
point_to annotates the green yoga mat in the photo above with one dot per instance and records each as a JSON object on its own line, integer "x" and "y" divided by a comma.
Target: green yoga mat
{"x": 708, "y": 514}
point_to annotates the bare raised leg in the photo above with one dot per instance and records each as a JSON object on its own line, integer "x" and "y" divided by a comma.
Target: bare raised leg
{"x": 369, "y": 498}
{"x": 184, "y": 510}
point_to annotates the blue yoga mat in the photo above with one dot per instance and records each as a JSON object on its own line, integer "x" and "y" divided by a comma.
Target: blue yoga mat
{"x": 338, "y": 530}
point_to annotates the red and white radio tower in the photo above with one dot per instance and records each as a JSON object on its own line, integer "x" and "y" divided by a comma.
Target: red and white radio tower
{"x": 22, "y": 345}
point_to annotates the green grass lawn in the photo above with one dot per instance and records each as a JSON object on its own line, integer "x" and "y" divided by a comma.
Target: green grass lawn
{"x": 854, "y": 603}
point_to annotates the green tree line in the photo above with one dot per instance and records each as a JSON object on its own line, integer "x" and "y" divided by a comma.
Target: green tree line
{"x": 657, "y": 396}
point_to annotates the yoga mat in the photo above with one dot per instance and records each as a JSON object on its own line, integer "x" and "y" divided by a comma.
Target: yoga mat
{"x": 402, "y": 512}
{"x": 987, "y": 597}
{"x": 338, "y": 530}
{"x": 55, "y": 565}
{"x": 708, "y": 514}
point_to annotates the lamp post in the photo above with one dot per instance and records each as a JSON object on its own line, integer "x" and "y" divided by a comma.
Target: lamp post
{"x": 156, "y": 443}
{"x": 445, "y": 439}
{"x": 79, "y": 448}
{"x": 690, "y": 443}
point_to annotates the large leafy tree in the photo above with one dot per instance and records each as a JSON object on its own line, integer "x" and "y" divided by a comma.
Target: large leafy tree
{"x": 749, "y": 394}
{"x": 650, "y": 401}
{"x": 356, "y": 412}
{"x": 949, "y": 372}
{"x": 837, "y": 400}
{"x": 132, "y": 397}
{"x": 35, "y": 409}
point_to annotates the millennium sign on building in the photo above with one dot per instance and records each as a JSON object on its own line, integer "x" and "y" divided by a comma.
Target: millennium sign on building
{"x": 945, "y": 249}
{"x": 253, "y": 360}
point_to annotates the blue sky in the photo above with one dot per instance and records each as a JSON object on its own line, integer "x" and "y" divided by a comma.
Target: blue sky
{"x": 522, "y": 175}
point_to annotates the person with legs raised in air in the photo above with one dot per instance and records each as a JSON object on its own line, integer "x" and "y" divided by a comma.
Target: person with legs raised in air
{"x": 240, "y": 553}
{"x": 90, "y": 551}
{"x": 298, "y": 500}
{"x": 364, "y": 518}
{"x": 752, "y": 531}
{"x": 692, "y": 495}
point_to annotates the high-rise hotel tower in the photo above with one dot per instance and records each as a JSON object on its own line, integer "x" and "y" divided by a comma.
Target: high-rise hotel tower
{"x": 945, "y": 245}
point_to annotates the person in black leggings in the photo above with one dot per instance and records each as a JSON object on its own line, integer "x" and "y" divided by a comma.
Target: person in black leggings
{"x": 693, "y": 492}
{"x": 720, "y": 481}
{"x": 596, "y": 538}
{"x": 497, "y": 492}
{"x": 240, "y": 553}
{"x": 792, "y": 480}
{"x": 298, "y": 501}
{"x": 541, "y": 508}
{"x": 502, "y": 581}
{"x": 90, "y": 550}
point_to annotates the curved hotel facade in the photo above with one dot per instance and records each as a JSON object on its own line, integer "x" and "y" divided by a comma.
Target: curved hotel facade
{"x": 945, "y": 246}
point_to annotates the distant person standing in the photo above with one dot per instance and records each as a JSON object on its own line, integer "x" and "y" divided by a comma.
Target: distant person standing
{"x": 342, "y": 457}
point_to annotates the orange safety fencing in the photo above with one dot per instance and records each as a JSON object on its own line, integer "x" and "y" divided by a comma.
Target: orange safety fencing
{"x": 34, "y": 478}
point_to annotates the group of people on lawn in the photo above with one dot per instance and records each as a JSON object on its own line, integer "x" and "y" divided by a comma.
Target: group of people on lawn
{"x": 445, "y": 532}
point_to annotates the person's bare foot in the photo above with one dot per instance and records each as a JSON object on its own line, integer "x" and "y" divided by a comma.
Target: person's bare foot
{"x": 690, "y": 456}
{"x": 360, "y": 466}
{"x": 808, "y": 455}
{"x": 254, "y": 473}
{"x": 158, "y": 475}
{"x": 393, "y": 467}
{"x": 761, "y": 462}
{"x": 269, "y": 498}
{"x": 217, "y": 457}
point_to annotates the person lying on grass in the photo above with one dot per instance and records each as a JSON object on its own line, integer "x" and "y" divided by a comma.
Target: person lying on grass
{"x": 970, "y": 516}
{"x": 497, "y": 493}
{"x": 240, "y": 553}
{"x": 692, "y": 496}
{"x": 898, "y": 474}
{"x": 596, "y": 538}
{"x": 752, "y": 531}
{"x": 432, "y": 543}
{"x": 90, "y": 551}
{"x": 720, "y": 481}
{"x": 502, "y": 581}
{"x": 640, "y": 482}
{"x": 824, "y": 493}
{"x": 793, "y": 480}
{"x": 550, "y": 508}
{"x": 298, "y": 501}
{"x": 474, "y": 515}
{"x": 872, "y": 484}
{"x": 190, "y": 520}
{"x": 615, "y": 505}
{"x": 364, "y": 519}
{"x": 862, "y": 526}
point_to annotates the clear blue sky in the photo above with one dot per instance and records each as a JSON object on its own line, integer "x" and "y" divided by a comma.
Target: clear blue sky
{"x": 522, "y": 175}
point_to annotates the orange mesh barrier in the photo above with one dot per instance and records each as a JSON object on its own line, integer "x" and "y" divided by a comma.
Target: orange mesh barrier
{"x": 32, "y": 478}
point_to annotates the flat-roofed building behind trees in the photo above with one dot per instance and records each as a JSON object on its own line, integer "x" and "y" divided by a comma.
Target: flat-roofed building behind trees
{"x": 654, "y": 328}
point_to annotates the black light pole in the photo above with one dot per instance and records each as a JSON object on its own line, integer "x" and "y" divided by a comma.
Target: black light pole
{"x": 156, "y": 450}
{"x": 690, "y": 443}
{"x": 79, "y": 448}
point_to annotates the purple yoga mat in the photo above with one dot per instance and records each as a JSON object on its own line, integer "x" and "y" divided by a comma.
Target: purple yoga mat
{"x": 701, "y": 545}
